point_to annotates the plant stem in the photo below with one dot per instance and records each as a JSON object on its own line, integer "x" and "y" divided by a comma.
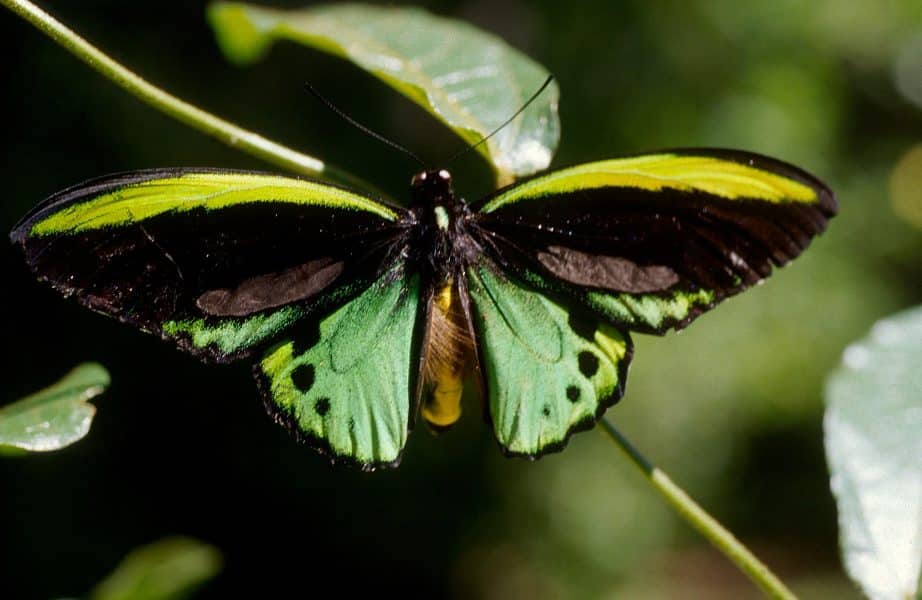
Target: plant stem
{"x": 698, "y": 518}
{"x": 225, "y": 131}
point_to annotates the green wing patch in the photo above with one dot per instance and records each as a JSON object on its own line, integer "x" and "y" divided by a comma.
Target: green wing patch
{"x": 549, "y": 372}
{"x": 230, "y": 337}
{"x": 652, "y": 313}
{"x": 347, "y": 391}
{"x": 646, "y": 313}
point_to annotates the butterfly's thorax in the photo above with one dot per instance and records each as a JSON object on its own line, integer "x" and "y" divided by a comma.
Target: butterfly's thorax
{"x": 436, "y": 210}
{"x": 447, "y": 351}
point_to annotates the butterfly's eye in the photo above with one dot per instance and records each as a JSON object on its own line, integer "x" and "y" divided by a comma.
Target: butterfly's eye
{"x": 444, "y": 175}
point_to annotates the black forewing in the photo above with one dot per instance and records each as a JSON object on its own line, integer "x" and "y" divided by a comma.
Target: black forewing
{"x": 218, "y": 266}
{"x": 636, "y": 244}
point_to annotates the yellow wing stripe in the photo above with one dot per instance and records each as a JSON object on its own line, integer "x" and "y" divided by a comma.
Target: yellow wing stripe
{"x": 656, "y": 172}
{"x": 137, "y": 202}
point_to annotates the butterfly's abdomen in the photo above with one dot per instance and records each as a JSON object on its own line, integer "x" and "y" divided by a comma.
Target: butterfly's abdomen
{"x": 448, "y": 351}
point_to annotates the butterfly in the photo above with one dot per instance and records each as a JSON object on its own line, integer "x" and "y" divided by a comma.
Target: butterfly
{"x": 360, "y": 314}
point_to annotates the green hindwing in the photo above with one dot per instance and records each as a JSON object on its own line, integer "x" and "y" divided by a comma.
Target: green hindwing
{"x": 346, "y": 388}
{"x": 548, "y": 371}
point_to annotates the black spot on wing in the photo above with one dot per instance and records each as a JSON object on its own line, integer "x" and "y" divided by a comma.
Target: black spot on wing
{"x": 573, "y": 393}
{"x": 303, "y": 377}
{"x": 588, "y": 363}
{"x": 322, "y": 406}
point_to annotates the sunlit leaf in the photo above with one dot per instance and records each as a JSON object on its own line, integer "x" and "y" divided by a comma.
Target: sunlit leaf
{"x": 469, "y": 79}
{"x": 168, "y": 569}
{"x": 874, "y": 447}
{"x": 56, "y": 416}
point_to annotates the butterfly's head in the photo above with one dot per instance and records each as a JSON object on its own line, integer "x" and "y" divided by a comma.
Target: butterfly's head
{"x": 431, "y": 188}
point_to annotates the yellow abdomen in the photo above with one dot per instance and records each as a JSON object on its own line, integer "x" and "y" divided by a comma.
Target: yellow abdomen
{"x": 447, "y": 351}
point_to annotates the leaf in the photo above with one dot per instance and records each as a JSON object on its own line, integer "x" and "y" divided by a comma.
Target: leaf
{"x": 469, "y": 79}
{"x": 56, "y": 416}
{"x": 873, "y": 430}
{"x": 164, "y": 570}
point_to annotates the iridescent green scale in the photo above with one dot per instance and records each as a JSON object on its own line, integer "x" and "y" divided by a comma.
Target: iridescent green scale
{"x": 358, "y": 314}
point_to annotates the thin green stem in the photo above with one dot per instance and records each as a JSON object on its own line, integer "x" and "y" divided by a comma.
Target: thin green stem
{"x": 698, "y": 518}
{"x": 225, "y": 131}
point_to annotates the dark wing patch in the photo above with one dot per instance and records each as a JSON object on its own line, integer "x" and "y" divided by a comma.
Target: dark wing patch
{"x": 606, "y": 272}
{"x": 272, "y": 289}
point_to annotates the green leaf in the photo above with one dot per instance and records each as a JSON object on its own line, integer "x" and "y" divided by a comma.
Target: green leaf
{"x": 469, "y": 79}
{"x": 165, "y": 570}
{"x": 58, "y": 415}
{"x": 873, "y": 429}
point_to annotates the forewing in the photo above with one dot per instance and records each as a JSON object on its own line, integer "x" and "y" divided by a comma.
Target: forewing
{"x": 217, "y": 261}
{"x": 547, "y": 371}
{"x": 344, "y": 384}
{"x": 652, "y": 241}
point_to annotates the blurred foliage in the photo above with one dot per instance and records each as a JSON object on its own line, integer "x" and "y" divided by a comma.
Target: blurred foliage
{"x": 731, "y": 408}
{"x": 56, "y": 416}
{"x": 168, "y": 569}
{"x": 905, "y": 187}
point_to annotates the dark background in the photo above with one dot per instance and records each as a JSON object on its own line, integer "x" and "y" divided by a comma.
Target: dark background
{"x": 731, "y": 408}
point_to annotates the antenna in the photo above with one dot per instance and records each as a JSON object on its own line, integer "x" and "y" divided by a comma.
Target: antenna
{"x": 363, "y": 128}
{"x": 544, "y": 85}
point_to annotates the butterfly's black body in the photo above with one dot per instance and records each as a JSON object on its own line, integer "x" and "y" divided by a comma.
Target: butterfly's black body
{"x": 442, "y": 246}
